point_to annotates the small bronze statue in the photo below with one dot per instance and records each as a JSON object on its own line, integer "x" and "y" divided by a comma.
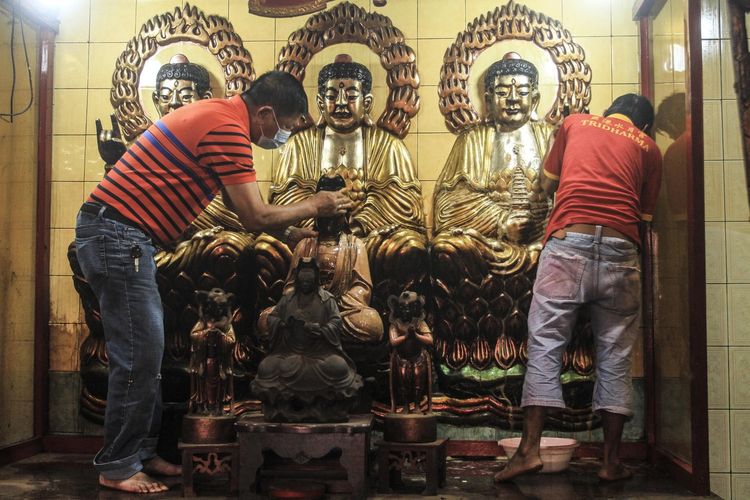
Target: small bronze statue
{"x": 212, "y": 342}
{"x": 411, "y": 363}
{"x": 307, "y": 377}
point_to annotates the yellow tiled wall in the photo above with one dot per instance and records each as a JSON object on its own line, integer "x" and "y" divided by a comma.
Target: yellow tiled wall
{"x": 727, "y": 263}
{"x": 94, "y": 32}
{"x": 18, "y": 180}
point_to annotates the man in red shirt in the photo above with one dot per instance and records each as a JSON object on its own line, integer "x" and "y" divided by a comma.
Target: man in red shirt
{"x": 164, "y": 180}
{"x": 606, "y": 174}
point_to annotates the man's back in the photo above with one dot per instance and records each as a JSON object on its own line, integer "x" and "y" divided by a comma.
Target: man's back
{"x": 609, "y": 173}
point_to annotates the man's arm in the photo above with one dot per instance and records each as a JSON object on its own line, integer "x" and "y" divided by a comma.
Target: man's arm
{"x": 548, "y": 184}
{"x": 256, "y": 215}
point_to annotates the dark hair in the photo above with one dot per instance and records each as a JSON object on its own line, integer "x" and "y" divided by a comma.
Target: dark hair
{"x": 184, "y": 71}
{"x": 352, "y": 70}
{"x": 280, "y": 90}
{"x": 636, "y": 107}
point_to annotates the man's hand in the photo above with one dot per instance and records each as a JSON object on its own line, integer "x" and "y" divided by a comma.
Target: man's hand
{"x": 330, "y": 203}
{"x": 297, "y": 234}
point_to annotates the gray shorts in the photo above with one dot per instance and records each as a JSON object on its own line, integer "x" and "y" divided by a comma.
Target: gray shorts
{"x": 603, "y": 274}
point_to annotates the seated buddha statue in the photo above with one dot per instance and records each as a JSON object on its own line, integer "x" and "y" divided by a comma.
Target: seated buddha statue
{"x": 307, "y": 376}
{"x": 378, "y": 171}
{"x": 489, "y": 218}
{"x": 345, "y": 273}
{"x": 216, "y": 252}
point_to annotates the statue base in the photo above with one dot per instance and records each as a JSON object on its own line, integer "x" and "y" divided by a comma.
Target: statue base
{"x": 208, "y": 429}
{"x": 410, "y": 427}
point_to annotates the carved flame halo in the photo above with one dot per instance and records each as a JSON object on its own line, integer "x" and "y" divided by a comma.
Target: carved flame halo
{"x": 186, "y": 24}
{"x": 512, "y": 22}
{"x": 348, "y": 23}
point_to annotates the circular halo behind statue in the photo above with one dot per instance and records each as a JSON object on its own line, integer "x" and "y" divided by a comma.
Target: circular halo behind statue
{"x": 186, "y": 24}
{"x": 348, "y": 23}
{"x": 512, "y": 22}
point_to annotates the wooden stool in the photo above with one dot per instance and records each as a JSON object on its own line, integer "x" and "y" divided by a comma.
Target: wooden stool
{"x": 302, "y": 442}
{"x": 211, "y": 460}
{"x": 394, "y": 458}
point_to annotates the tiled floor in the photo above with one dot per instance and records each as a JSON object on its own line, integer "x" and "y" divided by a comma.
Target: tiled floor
{"x": 57, "y": 476}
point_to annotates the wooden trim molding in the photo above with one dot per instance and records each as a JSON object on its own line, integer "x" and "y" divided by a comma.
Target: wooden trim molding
{"x": 42, "y": 258}
{"x": 700, "y": 479}
{"x": 19, "y": 451}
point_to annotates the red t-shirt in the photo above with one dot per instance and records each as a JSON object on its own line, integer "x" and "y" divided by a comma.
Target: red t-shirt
{"x": 609, "y": 174}
{"x": 176, "y": 167}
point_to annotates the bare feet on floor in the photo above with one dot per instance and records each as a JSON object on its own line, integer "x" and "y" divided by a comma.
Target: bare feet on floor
{"x": 160, "y": 467}
{"x": 137, "y": 483}
{"x": 517, "y": 466}
{"x": 614, "y": 472}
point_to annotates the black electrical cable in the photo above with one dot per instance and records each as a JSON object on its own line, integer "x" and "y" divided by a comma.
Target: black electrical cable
{"x": 8, "y": 117}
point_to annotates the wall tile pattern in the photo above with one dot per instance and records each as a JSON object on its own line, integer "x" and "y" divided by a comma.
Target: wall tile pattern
{"x": 727, "y": 268}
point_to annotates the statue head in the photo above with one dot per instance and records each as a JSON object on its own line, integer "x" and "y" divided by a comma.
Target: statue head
{"x": 180, "y": 82}
{"x": 307, "y": 279}
{"x": 331, "y": 226}
{"x": 511, "y": 91}
{"x": 408, "y": 307}
{"x": 344, "y": 98}
{"x": 215, "y": 306}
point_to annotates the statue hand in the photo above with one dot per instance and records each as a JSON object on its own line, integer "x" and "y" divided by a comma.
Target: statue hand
{"x": 297, "y": 234}
{"x": 330, "y": 203}
{"x": 457, "y": 231}
{"x": 110, "y": 142}
{"x": 517, "y": 230}
{"x": 313, "y": 328}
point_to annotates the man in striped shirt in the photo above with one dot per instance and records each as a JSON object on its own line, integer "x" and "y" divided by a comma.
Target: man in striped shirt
{"x": 158, "y": 187}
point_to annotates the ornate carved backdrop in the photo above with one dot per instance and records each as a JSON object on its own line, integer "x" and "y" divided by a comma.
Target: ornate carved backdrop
{"x": 348, "y": 23}
{"x": 188, "y": 24}
{"x": 512, "y": 21}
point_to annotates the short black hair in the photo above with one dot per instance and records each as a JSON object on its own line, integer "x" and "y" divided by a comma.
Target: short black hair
{"x": 280, "y": 90}
{"x": 636, "y": 107}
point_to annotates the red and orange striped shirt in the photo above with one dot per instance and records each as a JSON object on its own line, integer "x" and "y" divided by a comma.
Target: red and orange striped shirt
{"x": 176, "y": 167}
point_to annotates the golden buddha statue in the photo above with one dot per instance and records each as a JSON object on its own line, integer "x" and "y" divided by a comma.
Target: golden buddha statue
{"x": 344, "y": 272}
{"x": 490, "y": 213}
{"x": 378, "y": 172}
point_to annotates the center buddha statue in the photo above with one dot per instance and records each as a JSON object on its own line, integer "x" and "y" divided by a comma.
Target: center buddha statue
{"x": 378, "y": 172}
{"x": 490, "y": 213}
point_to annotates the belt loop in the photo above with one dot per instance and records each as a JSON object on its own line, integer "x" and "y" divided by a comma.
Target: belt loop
{"x": 598, "y": 234}
{"x": 101, "y": 211}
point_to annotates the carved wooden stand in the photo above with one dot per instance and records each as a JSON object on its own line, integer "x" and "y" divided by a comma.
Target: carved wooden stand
{"x": 211, "y": 460}
{"x": 302, "y": 442}
{"x": 394, "y": 458}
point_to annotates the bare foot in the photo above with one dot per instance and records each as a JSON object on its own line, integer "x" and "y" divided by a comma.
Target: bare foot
{"x": 518, "y": 465}
{"x": 159, "y": 466}
{"x": 137, "y": 483}
{"x": 614, "y": 472}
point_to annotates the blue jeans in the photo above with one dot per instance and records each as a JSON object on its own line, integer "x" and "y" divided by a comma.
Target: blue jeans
{"x": 604, "y": 275}
{"x": 132, "y": 318}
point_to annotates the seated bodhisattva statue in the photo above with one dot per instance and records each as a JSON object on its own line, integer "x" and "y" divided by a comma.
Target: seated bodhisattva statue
{"x": 345, "y": 273}
{"x": 306, "y": 377}
{"x": 490, "y": 213}
{"x": 378, "y": 172}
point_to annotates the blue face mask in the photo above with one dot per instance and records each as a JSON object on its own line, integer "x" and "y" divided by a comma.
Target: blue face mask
{"x": 278, "y": 140}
